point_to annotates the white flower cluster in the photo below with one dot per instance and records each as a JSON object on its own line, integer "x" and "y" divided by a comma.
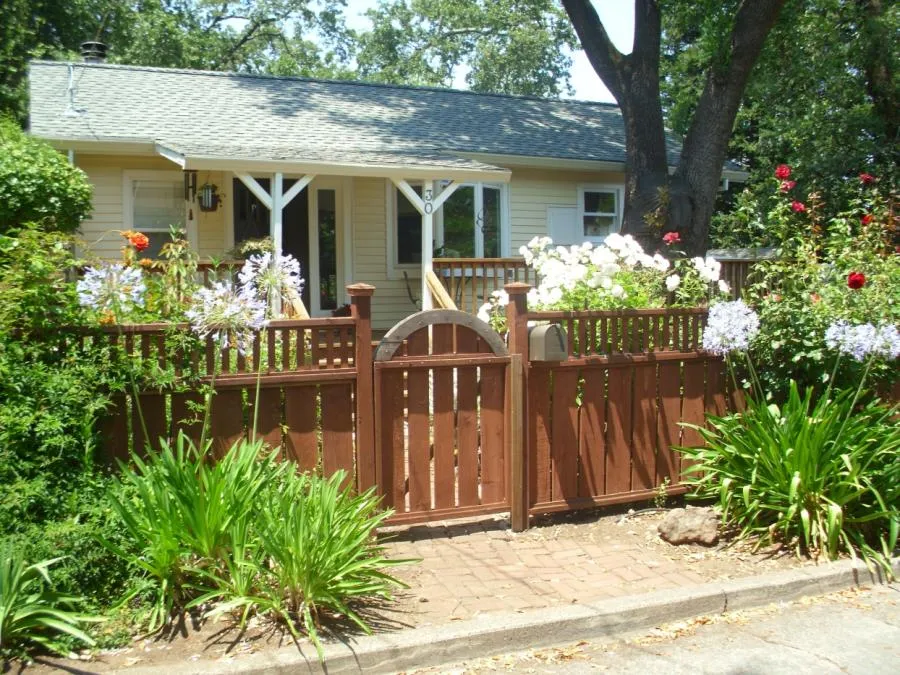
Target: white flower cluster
{"x": 266, "y": 277}
{"x": 231, "y": 317}
{"x": 864, "y": 340}
{"x": 562, "y": 268}
{"x": 731, "y": 327}
{"x": 497, "y": 299}
{"x": 111, "y": 288}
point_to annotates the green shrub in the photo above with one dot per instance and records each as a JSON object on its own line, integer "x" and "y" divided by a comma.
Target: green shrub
{"x": 804, "y": 289}
{"x": 32, "y": 612}
{"x": 821, "y": 476}
{"x": 248, "y": 533}
{"x": 38, "y": 184}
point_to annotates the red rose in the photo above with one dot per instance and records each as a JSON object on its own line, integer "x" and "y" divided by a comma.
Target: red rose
{"x": 799, "y": 207}
{"x": 139, "y": 240}
{"x": 866, "y": 178}
{"x": 856, "y": 280}
{"x": 866, "y": 219}
{"x": 670, "y": 238}
{"x": 782, "y": 171}
{"x": 787, "y": 185}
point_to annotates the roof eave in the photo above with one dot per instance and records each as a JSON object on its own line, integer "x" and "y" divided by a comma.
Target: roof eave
{"x": 537, "y": 162}
{"x": 361, "y": 170}
{"x": 101, "y": 147}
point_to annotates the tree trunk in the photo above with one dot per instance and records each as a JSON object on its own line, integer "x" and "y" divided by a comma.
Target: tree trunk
{"x": 684, "y": 201}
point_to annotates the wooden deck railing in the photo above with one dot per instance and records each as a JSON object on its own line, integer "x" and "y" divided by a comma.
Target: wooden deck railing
{"x": 470, "y": 281}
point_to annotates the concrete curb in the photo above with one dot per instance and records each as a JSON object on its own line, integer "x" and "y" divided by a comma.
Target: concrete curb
{"x": 502, "y": 633}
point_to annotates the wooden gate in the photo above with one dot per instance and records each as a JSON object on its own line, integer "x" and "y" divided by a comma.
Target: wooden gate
{"x": 441, "y": 415}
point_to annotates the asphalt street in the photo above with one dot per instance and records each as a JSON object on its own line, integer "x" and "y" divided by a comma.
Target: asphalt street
{"x": 852, "y": 632}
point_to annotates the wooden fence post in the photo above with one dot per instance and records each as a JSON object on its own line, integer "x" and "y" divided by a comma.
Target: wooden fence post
{"x": 517, "y": 325}
{"x": 361, "y": 311}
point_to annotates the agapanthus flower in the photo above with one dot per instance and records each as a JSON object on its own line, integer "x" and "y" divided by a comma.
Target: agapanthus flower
{"x": 861, "y": 341}
{"x": 731, "y": 327}
{"x": 111, "y": 288}
{"x": 266, "y": 277}
{"x": 231, "y": 318}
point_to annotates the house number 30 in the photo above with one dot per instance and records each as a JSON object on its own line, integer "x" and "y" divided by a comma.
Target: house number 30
{"x": 428, "y": 207}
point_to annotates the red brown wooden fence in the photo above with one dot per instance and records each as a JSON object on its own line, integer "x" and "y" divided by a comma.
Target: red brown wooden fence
{"x": 311, "y": 398}
{"x": 602, "y": 424}
{"x": 445, "y": 419}
{"x": 440, "y": 406}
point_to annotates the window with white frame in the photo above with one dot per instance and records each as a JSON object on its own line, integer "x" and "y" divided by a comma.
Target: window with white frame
{"x": 155, "y": 202}
{"x": 470, "y": 224}
{"x": 599, "y": 211}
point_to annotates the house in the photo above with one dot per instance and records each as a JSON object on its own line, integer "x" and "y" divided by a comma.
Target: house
{"x": 361, "y": 182}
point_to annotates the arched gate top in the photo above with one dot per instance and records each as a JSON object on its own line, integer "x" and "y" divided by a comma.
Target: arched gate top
{"x": 433, "y": 317}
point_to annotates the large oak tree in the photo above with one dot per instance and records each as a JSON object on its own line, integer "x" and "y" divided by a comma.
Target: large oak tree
{"x": 684, "y": 200}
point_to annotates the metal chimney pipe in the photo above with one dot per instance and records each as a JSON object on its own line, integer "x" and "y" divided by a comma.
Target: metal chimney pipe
{"x": 93, "y": 52}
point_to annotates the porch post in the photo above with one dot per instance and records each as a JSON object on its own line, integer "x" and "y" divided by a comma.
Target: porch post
{"x": 276, "y": 218}
{"x": 427, "y": 240}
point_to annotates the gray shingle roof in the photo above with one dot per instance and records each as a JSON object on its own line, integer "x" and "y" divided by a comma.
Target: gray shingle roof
{"x": 289, "y": 117}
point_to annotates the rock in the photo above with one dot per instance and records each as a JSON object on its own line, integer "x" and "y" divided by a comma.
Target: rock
{"x": 690, "y": 526}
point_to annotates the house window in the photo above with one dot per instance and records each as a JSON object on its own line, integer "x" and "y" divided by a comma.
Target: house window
{"x": 599, "y": 211}
{"x": 156, "y": 204}
{"x": 469, "y": 224}
{"x": 471, "y": 221}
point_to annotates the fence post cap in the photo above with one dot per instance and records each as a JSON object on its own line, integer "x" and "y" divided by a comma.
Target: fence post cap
{"x": 517, "y": 288}
{"x": 360, "y": 289}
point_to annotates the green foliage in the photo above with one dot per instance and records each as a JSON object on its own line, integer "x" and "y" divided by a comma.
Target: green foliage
{"x": 31, "y": 612}
{"x": 249, "y": 533}
{"x": 821, "y": 476}
{"x": 800, "y": 292}
{"x": 37, "y": 183}
{"x": 508, "y": 46}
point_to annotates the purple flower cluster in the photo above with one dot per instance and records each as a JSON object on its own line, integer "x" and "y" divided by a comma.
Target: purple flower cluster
{"x": 864, "y": 340}
{"x": 111, "y": 288}
{"x": 731, "y": 327}
{"x": 230, "y": 317}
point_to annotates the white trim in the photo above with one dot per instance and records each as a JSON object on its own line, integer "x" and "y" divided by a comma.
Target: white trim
{"x": 618, "y": 190}
{"x": 528, "y": 161}
{"x": 301, "y": 167}
{"x": 314, "y": 280}
{"x": 228, "y": 213}
{"x": 428, "y": 199}
{"x": 296, "y": 188}
{"x": 276, "y": 211}
{"x": 170, "y": 154}
{"x": 257, "y": 189}
{"x": 128, "y": 178}
{"x": 345, "y": 235}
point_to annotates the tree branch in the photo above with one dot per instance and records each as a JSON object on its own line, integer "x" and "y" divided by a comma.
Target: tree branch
{"x": 607, "y": 61}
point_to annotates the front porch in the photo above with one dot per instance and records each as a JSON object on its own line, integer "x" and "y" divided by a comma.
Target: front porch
{"x": 378, "y": 219}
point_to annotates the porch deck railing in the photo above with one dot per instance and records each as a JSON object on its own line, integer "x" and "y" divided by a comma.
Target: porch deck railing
{"x": 470, "y": 281}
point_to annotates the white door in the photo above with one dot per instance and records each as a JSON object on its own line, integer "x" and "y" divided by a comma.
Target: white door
{"x": 327, "y": 235}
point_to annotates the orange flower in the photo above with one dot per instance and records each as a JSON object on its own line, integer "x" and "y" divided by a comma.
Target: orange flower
{"x": 139, "y": 240}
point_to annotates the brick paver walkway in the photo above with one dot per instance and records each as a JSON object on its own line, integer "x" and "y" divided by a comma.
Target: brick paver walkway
{"x": 475, "y": 568}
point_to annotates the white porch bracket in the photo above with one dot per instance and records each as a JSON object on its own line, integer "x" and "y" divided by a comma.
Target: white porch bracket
{"x": 276, "y": 201}
{"x": 426, "y": 205}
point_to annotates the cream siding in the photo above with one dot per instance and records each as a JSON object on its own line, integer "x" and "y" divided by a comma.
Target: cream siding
{"x": 532, "y": 191}
{"x": 107, "y": 175}
{"x": 369, "y": 222}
